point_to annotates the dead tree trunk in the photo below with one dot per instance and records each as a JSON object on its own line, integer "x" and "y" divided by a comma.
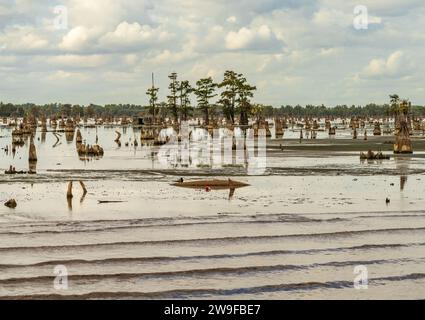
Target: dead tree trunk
{"x": 32, "y": 157}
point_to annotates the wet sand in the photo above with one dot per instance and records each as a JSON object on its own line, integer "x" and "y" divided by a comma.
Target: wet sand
{"x": 296, "y": 232}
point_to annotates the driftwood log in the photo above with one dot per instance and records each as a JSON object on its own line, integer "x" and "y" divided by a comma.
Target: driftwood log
{"x": 32, "y": 157}
{"x": 214, "y": 184}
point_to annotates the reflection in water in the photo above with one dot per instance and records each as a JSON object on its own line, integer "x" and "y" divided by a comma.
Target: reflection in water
{"x": 43, "y": 136}
{"x": 57, "y": 154}
{"x": 83, "y": 197}
{"x": 69, "y": 194}
{"x": 69, "y": 135}
{"x": 32, "y": 166}
{"x": 117, "y": 140}
{"x": 57, "y": 136}
{"x": 69, "y": 200}
{"x": 209, "y": 185}
{"x": 402, "y": 166}
{"x": 83, "y": 186}
{"x": 231, "y": 193}
{"x": 403, "y": 180}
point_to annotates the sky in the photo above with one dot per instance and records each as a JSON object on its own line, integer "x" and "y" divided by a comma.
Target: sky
{"x": 295, "y": 51}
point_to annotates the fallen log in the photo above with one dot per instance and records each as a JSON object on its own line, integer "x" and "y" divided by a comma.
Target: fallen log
{"x": 213, "y": 184}
{"x": 8, "y": 172}
{"x": 110, "y": 201}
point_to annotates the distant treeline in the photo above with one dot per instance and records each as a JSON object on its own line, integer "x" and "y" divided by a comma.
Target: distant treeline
{"x": 132, "y": 110}
{"x": 370, "y": 110}
{"x": 69, "y": 110}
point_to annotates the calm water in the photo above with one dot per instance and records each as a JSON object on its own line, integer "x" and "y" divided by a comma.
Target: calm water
{"x": 298, "y": 231}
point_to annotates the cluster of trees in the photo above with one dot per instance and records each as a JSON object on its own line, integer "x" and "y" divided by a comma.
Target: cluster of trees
{"x": 398, "y": 105}
{"x": 234, "y": 95}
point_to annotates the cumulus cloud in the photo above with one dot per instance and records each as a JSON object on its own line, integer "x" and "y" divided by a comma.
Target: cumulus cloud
{"x": 332, "y": 17}
{"x": 22, "y": 39}
{"x": 261, "y": 37}
{"x": 76, "y": 39}
{"x": 62, "y": 75}
{"x": 78, "y": 61}
{"x": 166, "y": 56}
{"x": 396, "y": 65}
{"x": 231, "y": 19}
{"x": 133, "y": 34}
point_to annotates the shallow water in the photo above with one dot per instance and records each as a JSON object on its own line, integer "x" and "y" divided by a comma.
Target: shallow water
{"x": 298, "y": 231}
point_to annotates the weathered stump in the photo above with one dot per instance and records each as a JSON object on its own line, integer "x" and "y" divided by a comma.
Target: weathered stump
{"x": 11, "y": 203}
{"x": 32, "y": 151}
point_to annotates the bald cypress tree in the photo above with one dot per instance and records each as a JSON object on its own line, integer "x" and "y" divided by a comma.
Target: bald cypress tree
{"x": 152, "y": 93}
{"x": 205, "y": 91}
{"x": 230, "y": 85}
{"x": 185, "y": 89}
{"x": 245, "y": 93}
{"x": 172, "y": 98}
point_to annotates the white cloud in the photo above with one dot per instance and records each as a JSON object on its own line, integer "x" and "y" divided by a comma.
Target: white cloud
{"x": 76, "y": 39}
{"x": 246, "y": 38}
{"x": 326, "y": 17}
{"x": 67, "y": 76}
{"x": 22, "y": 39}
{"x": 396, "y": 65}
{"x": 133, "y": 34}
{"x": 96, "y": 14}
{"x": 167, "y": 56}
{"x": 231, "y": 19}
{"x": 79, "y": 61}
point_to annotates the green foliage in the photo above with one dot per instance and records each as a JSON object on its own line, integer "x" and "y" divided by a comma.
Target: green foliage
{"x": 205, "y": 91}
{"x": 246, "y": 92}
{"x": 152, "y": 93}
{"x": 186, "y": 109}
{"x": 230, "y": 86}
{"x": 172, "y": 98}
{"x": 236, "y": 96}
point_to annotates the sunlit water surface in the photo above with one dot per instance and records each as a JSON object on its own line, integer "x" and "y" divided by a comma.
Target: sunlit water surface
{"x": 298, "y": 231}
